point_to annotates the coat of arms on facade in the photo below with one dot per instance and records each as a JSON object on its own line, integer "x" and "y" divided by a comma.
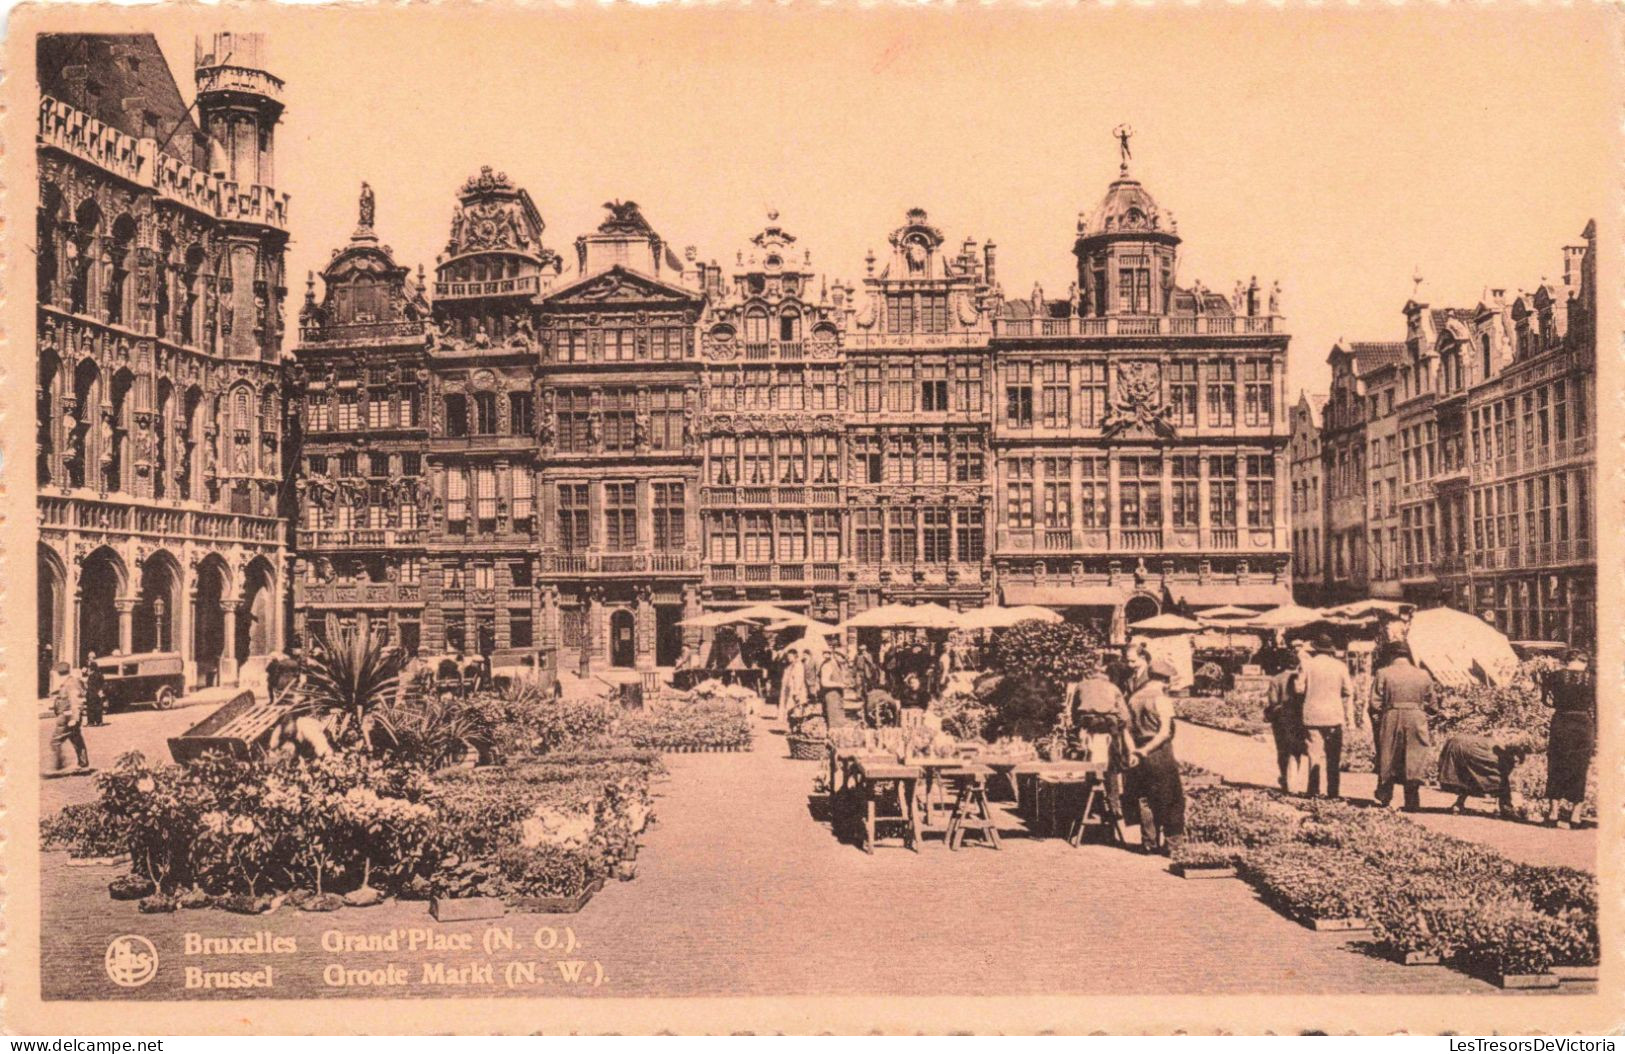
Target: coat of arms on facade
{"x": 1139, "y": 404}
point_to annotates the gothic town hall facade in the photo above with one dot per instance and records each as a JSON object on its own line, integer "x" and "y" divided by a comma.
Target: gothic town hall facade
{"x": 566, "y": 448}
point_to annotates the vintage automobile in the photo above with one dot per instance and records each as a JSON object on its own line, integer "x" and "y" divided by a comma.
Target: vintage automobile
{"x": 156, "y": 677}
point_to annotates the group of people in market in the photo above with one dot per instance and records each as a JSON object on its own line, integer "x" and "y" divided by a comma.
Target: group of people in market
{"x": 1314, "y": 702}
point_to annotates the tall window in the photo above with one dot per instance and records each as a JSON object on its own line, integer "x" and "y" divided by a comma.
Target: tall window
{"x": 826, "y": 459}
{"x": 900, "y": 313}
{"x": 824, "y": 388}
{"x": 931, "y": 466}
{"x": 826, "y": 536}
{"x": 867, "y": 537}
{"x": 934, "y": 387}
{"x": 575, "y": 534}
{"x": 970, "y": 534}
{"x": 1187, "y": 493}
{"x": 670, "y": 524}
{"x": 866, "y": 458}
{"x": 485, "y": 483}
{"x": 758, "y": 530}
{"x": 572, "y": 345}
{"x": 620, "y": 516}
{"x": 791, "y": 536}
{"x": 1058, "y": 493}
{"x": 901, "y": 536}
{"x": 574, "y": 409}
{"x": 1091, "y": 393}
{"x": 1018, "y": 394}
{"x": 1259, "y": 397}
{"x": 866, "y": 388}
{"x": 902, "y": 458}
{"x": 1182, "y": 393}
{"x": 1139, "y": 491}
{"x": 377, "y": 465}
{"x": 666, "y": 342}
{"x": 485, "y": 413}
{"x": 791, "y": 459}
{"x": 723, "y": 458}
{"x": 790, "y": 324}
{"x": 666, "y": 419}
{"x": 790, "y": 393}
{"x": 933, "y": 312}
{"x": 1260, "y": 491}
{"x": 620, "y": 419}
{"x": 936, "y": 535}
{"x": 316, "y": 411}
{"x": 456, "y": 496}
{"x": 968, "y": 387}
{"x": 524, "y": 497}
{"x": 757, "y": 390}
{"x": 723, "y": 536}
{"x": 1019, "y": 492}
{"x": 1092, "y": 492}
{"x": 900, "y": 386}
{"x": 969, "y": 465}
{"x": 456, "y": 415}
{"x": 378, "y": 408}
{"x": 349, "y": 410}
{"x": 1056, "y": 404}
{"x": 521, "y": 413}
{"x": 1221, "y": 491}
{"x": 1221, "y": 393}
{"x": 757, "y": 462}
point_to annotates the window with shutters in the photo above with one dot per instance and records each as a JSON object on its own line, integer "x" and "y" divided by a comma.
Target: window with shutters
{"x": 485, "y": 497}
{"x": 723, "y": 536}
{"x": 349, "y": 410}
{"x": 756, "y": 462}
{"x": 620, "y": 516}
{"x": 316, "y": 410}
{"x": 722, "y": 459}
{"x": 826, "y": 459}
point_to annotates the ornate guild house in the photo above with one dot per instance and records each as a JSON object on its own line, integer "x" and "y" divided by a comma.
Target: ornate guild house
{"x": 160, "y": 240}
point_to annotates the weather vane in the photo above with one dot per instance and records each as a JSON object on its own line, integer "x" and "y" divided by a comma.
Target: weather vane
{"x": 1416, "y": 281}
{"x": 1123, "y": 133}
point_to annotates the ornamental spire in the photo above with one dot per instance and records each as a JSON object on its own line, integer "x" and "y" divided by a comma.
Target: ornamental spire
{"x": 1123, "y": 133}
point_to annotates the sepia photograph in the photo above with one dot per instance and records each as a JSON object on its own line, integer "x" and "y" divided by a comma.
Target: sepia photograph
{"x": 811, "y": 519}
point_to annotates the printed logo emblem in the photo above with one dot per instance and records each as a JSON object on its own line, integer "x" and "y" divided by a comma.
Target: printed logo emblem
{"x": 131, "y": 961}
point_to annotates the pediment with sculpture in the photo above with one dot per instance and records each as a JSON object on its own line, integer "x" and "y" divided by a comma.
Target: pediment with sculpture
{"x": 619, "y": 286}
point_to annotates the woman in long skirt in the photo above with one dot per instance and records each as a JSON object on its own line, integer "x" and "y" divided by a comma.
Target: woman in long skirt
{"x": 1572, "y": 694}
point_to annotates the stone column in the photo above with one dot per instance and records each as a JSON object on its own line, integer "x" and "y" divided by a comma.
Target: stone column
{"x": 643, "y": 629}
{"x": 228, "y": 646}
{"x": 126, "y": 622}
{"x": 691, "y": 609}
{"x": 589, "y": 630}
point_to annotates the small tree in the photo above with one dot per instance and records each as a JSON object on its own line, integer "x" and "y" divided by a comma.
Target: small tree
{"x": 353, "y": 673}
{"x": 1058, "y": 653}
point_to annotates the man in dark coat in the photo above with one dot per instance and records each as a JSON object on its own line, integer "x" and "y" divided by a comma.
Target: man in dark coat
{"x": 1401, "y": 691}
{"x": 95, "y": 693}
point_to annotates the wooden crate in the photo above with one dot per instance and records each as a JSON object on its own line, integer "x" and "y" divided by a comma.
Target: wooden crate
{"x": 237, "y": 729}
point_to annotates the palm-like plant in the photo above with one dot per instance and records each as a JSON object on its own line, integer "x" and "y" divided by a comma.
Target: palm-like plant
{"x": 432, "y": 732}
{"x": 352, "y": 673}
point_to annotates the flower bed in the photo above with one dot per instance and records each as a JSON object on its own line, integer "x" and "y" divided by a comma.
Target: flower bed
{"x": 1424, "y": 894}
{"x": 699, "y": 726}
{"x": 1228, "y": 713}
{"x": 353, "y": 829}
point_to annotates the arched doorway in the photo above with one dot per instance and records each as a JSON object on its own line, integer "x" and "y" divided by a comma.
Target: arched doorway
{"x": 623, "y": 649}
{"x": 153, "y": 624}
{"x": 50, "y": 610}
{"x": 1140, "y": 606}
{"x": 101, "y": 583}
{"x": 256, "y": 618}
{"x": 209, "y": 621}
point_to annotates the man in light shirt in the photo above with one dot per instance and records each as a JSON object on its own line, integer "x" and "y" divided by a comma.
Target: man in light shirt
{"x": 1328, "y": 708}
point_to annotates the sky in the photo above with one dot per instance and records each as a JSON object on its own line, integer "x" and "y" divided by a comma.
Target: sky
{"x": 1342, "y": 152}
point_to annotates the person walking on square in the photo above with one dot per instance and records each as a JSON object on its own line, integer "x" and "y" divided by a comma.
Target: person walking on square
{"x": 1401, "y": 690}
{"x": 69, "y": 707}
{"x": 1284, "y": 712}
{"x": 1154, "y": 772}
{"x": 1328, "y": 708}
{"x": 1572, "y": 738}
{"x": 95, "y": 692}
{"x": 792, "y": 686}
{"x": 833, "y": 680}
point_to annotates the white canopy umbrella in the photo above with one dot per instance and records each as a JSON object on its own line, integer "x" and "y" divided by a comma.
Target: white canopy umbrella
{"x": 903, "y": 616}
{"x": 1458, "y": 648}
{"x": 1287, "y": 616}
{"x": 995, "y": 616}
{"x": 1167, "y": 623}
{"x": 1225, "y": 613}
{"x": 749, "y": 613}
{"x": 813, "y": 627}
{"x": 1363, "y": 608}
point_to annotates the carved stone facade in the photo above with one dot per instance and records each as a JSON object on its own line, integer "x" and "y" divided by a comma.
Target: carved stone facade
{"x": 159, "y": 279}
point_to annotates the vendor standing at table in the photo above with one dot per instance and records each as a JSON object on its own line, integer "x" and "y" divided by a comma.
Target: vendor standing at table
{"x": 1154, "y": 775}
{"x": 1572, "y": 694}
{"x": 833, "y": 679}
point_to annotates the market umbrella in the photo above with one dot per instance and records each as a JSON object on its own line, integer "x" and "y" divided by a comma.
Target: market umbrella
{"x": 749, "y": 613}
{"x": 1225, "y": 612}
{"x": 1458, "y": 648}
{"x": 903, "y": 616}
{"x": 995, "y": 616}
{"x": 1363, "y": 608}
{"x": 1166, "y": 623}
{"x": 813, "y": 627}
{"x": 1287, "y": 616}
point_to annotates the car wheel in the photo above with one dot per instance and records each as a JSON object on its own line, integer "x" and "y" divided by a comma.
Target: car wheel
{"x": 166, "y": 698}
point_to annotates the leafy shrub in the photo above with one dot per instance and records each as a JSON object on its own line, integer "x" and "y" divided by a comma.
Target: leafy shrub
{"x": 432, "y": 732}
{"x": 1057, "y": 653}
{"x": 709, "y": 726}
{"x": 85, "y": 829}
{"x": 1027, "y": 705}
{"x": 1232, "y": 713}
{"x": 524, "y": 721}
{"x": 964, "y": 716}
